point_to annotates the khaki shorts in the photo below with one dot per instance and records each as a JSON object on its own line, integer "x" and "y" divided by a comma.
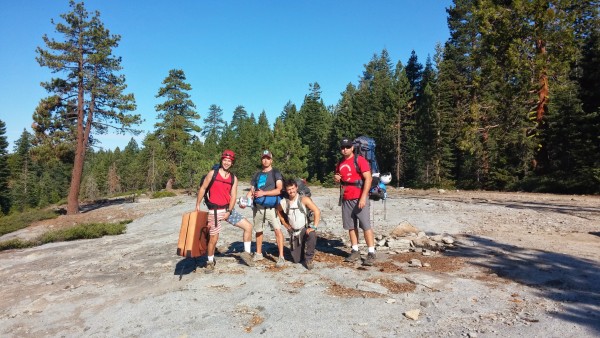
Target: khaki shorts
{"x": 263, "y": 216}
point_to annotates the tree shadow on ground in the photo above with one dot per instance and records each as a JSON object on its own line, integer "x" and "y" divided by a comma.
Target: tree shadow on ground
{"x": 572, "y": 281}
{"x": 545, "y": 206}
{"x": 104, "y": 203}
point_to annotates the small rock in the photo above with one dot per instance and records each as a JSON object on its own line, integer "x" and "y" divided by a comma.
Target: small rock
{"x": 390, "y": 301}
{"x": 448, "y": 239}
{"x": 425, "y": 303}
{"x": 426, "y": 265}
{"x": 412, "y": 314}
{"x": 415, "y": 263}
{"x": 404, "y": 229}
{"x": 437, "y": 238}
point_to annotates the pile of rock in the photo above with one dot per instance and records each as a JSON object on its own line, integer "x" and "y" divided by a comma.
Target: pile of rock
{"x": 408, "y": 238}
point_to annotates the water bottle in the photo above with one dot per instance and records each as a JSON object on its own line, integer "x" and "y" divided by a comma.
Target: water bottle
{"x": 243, "y": 202}
{"x": 249, "y": 202}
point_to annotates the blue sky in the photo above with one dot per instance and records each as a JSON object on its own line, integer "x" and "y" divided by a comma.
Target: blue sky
{"x": 259, "y": 54}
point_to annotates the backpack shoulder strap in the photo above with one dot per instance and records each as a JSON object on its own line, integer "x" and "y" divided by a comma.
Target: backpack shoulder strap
{"x": 212, "y": 180}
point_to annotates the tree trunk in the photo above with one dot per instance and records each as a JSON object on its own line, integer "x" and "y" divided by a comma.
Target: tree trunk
{"x": 73, "y": 197}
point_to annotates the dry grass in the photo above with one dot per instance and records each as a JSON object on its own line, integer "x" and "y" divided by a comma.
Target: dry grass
{"x": 438, "y": 263}
{"x": 345, "y": 292}
{"x": 393, "y": 286}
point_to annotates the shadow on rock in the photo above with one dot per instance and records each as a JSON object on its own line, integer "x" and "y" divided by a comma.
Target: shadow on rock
{"x": 188, "y": 265}
{"x": 573, "y": 281}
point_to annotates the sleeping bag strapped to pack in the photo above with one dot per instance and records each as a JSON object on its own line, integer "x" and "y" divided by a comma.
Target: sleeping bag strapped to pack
{"x": 365, "y": 147}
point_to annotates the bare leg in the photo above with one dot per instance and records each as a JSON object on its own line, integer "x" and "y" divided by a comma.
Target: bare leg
{"x": 353, "y": 236}
{"x": 369, "y": 238}
{"x": 259, "y": 240}
{"x": 245, "y": 225}
{"x": 279, "y": 239}
{"x": 212, "y": 244}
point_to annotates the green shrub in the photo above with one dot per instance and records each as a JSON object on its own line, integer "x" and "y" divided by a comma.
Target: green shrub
{"x": 82, "y": 231}
{"x": 161, "y": 194}
{"x": 22, "y": 220}
{"x": 85, "y": 231}
{"x": 16, "y": 244}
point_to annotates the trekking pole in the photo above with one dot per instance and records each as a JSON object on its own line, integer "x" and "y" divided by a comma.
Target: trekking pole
{"x": 385, "y": 209}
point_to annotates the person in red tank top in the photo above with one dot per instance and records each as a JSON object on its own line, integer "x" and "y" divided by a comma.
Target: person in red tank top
{"x": 221, "y": 203}
{"x": 354, "y": 176}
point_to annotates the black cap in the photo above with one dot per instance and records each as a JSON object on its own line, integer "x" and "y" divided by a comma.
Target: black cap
{"x": 346, "y": 142}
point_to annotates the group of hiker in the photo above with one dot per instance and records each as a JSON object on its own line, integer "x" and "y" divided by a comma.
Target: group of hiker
{"x": 292, "y": 210}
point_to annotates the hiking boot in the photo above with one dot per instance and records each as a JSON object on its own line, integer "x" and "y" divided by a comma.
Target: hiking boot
{"x": 257, "y": 257}
{"x": 246, "y": 257}
{"x": 280, "y": 262}
{"x": 353, "y": 256}
{"x": 309, "y": 264}
{"x": 210, "y": 267}
{"x": 370, "y": 259}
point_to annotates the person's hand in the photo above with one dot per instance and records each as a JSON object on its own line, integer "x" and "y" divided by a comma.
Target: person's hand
{"x": 259, "y": 193}
{"x": 337, "y": 178}
{"x": 309, "y": 230}
{"x": 362, "y": 202}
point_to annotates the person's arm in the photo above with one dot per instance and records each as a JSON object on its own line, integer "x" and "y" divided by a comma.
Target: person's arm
{"x": 233, "y": 195}
{"x": 252, "y": 183}
{"x": 203, "y": 188}
{"x": 283, "y": 218}
{"x": 308, "y": 203}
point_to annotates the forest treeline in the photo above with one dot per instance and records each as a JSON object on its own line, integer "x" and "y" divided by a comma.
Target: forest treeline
{"x": 510, "y": 102}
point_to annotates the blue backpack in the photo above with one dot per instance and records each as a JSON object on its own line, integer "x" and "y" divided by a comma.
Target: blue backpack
{"x": 365, "y": 147}
{"x": 267, "y": 201}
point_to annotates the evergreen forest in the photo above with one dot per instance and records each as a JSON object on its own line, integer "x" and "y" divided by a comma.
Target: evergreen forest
{"x": 510, "y": 102}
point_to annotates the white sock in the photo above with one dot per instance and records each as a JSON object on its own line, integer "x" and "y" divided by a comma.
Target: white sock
{"x": 211, "y": 258}
{"x": 247, "y": 246}
{"x": 372, "y": 249}
{"x": 355, "y": 247}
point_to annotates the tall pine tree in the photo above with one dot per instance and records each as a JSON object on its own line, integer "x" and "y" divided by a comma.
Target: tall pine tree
{"x": 91, "y": 85}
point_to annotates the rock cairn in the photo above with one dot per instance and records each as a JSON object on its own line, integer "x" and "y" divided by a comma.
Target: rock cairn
{"x": 408, "y": 238}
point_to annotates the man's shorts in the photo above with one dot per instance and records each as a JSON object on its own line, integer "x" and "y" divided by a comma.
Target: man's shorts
{"x": 351, "y": 213}
{"x": 262, "y": 216}
{"x": 234, "y": 218}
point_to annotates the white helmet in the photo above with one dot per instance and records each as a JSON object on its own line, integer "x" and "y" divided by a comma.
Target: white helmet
{"x": 386, "y": 178}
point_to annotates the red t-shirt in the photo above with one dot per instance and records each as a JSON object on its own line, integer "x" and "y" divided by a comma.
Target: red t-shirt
{"x": 220, "y": 191}
{"x": 348, "y": 172}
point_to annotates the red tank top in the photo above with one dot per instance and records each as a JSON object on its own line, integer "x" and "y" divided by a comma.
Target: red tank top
{"x": 220, "y": 191}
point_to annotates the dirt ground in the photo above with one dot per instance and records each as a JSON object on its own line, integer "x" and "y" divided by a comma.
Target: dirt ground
{"x": 520, "y": 265}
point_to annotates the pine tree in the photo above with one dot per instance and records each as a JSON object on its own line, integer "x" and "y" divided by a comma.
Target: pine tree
{"x": 316, "y": 133}
{"x": 5, "y": 201}
{"x": 288, "y": 150}
{"x": 24, "y": 172}
{"x": 91, "y": 86}
{"x": 214, "y": 123}
{"x": 176, "y": 115}
{"x": 414, "y": 73}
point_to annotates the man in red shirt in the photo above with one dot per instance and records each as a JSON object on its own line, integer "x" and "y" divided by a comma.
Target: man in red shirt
{"x": 354, "y": 174}
{"x": 221, "y": 201}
